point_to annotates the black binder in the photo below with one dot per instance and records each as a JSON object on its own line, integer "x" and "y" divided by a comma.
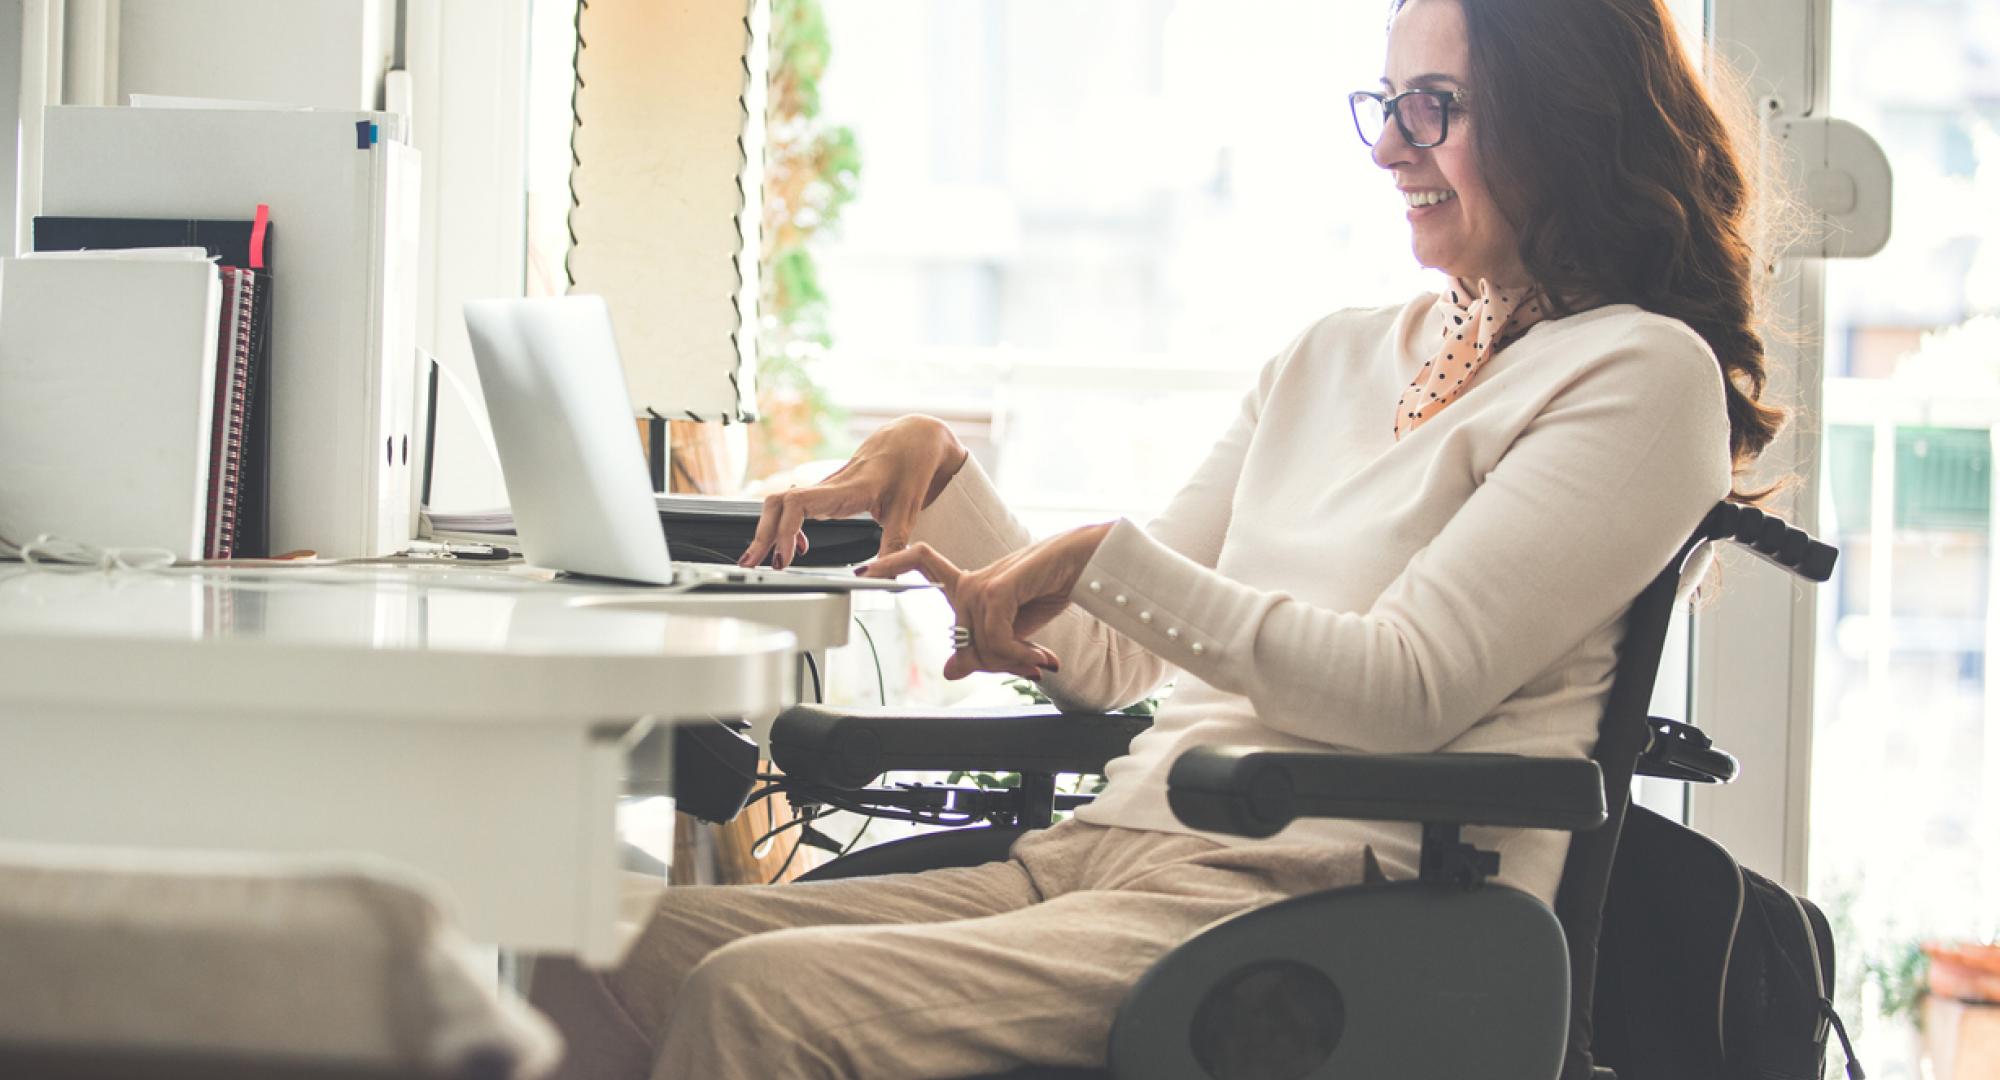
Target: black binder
{"x": 232, "y": 244}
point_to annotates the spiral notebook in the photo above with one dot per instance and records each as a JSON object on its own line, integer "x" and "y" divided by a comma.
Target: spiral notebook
{"x": 230, "y": 510}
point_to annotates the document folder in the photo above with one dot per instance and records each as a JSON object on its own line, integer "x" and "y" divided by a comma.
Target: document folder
{"x": 107, "y": 398}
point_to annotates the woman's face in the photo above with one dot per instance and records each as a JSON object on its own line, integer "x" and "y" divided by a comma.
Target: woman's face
{"x": 1461, "y": 232}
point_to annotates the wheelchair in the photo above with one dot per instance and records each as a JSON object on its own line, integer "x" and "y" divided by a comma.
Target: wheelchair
{"x": 1450, "y": 975}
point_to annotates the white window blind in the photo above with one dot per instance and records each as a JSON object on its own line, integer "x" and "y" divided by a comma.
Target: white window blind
{"x": 667, "y": 188}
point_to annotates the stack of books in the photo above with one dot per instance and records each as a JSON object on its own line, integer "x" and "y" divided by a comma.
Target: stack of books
{"x": 134, "y": 385}
{"x": 238, "y": 505}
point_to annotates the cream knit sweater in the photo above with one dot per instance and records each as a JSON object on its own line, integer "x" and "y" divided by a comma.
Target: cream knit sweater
{"x": 1319, "y": 584}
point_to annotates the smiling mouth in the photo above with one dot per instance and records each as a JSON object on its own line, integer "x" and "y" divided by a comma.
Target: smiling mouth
{"x": 1420, "y": 199}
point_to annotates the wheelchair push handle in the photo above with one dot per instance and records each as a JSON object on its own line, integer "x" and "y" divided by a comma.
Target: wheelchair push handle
{"x": 1677, "y": 751}
{"x": 1772, "y": 539}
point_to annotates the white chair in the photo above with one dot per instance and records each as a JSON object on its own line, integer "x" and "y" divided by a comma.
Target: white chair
{"x": 154, "y": 966}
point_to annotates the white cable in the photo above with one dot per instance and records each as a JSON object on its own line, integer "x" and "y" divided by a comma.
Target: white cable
{"x": 46, "y": 550}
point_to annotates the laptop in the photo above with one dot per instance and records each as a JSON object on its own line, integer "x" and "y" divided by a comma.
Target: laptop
{"x": 570, "y": 455}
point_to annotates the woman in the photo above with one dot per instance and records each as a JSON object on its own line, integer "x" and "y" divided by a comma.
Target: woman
{"x": 1421, "y": 534}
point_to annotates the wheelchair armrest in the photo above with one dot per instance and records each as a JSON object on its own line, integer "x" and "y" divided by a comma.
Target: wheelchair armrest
{"x": 849, "y": 747}
{"x": 1258, "y": 792}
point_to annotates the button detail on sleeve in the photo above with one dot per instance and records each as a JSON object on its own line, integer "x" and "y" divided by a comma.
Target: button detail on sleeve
{"x": 1119, "y": 599}
{"x": 1173, "y": 634}
{"x": 1097, "y": 586}
{"x": 1145, "y": 616}
{"x": 1196, "y": 648}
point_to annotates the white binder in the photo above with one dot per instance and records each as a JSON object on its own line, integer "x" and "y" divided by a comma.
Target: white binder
{"x": 343, "y": 190}
{"x": 107, "y": 392}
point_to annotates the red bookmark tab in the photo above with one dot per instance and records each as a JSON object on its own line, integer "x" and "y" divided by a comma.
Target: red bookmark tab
{"x": 257, "y": 236}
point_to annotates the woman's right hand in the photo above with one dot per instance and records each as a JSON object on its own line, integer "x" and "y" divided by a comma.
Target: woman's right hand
{"x": 896, "y": 472}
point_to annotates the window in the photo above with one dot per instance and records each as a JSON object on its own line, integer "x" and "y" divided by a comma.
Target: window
{"x": 551, "y": 82}
{"x": 1081, "y": 228}
{"x": 1906, "y": 739}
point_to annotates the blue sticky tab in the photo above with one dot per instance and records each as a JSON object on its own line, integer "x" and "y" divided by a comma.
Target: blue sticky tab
{"x": 374, "y": 134}
{"x": 361, "y": 139}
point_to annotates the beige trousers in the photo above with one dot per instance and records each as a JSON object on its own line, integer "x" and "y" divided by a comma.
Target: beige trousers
{"x": 945, "y": 973}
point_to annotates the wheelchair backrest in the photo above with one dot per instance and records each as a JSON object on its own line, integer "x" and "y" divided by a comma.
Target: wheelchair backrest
{"x": 1625, "y": 733}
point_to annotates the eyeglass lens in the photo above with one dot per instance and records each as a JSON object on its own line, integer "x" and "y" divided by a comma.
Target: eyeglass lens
{"x": 1420, "y": 116}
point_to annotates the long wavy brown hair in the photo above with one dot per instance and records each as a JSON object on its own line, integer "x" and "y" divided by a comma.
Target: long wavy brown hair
{"x": 1622, "y": 179}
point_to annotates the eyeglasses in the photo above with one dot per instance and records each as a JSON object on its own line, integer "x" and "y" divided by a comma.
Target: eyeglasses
{"x": 1422, "y": 116}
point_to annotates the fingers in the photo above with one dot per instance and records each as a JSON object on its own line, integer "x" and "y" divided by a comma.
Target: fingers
{"x": 983, "y": 601}
{"x": 992, "y": 622}
{"x": 778, "y": 526}
{"x": 1025, "y": 660}
{"x": 989, "y": 605}
{"x": 791, "y": 518}
{"x": 898, "y": 519}
{"x": 1044, "y": 658}
{"x": 895, "y": 539}
{"x": 921, "y": 558}
{"x": 767, "y": 531}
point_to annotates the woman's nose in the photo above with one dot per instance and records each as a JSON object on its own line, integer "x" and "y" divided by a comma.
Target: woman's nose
{"x": 1390, "y": 149}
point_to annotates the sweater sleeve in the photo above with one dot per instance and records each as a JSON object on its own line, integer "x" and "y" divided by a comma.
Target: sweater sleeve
{"x": 969, "y": 524}
{"x": 1102, "y": 669}
{"x": 1588, "y": 503}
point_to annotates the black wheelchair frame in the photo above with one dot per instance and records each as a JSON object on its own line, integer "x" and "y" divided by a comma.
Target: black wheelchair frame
{"x": 1453, "y": 977}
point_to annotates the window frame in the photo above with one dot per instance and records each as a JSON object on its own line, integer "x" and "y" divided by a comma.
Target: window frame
{"x": 38, "y": 65}
{"x": 1753, "y": 653}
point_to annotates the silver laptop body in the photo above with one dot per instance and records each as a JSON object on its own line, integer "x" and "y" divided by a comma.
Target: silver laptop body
{"x": 570, "y": 455}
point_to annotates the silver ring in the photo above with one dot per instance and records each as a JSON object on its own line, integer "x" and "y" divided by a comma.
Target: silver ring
{"x": 961, "y": 637}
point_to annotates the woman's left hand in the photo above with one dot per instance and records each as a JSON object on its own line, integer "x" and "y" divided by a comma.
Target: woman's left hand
{"x": 1002, "y": 604}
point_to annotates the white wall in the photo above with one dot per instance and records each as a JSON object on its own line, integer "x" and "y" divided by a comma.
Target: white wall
{"x": 468, "y": 62}
{"x": 467, "y": 59}
{"x": 325, "y": 53}
{"x": 10, "y": 125}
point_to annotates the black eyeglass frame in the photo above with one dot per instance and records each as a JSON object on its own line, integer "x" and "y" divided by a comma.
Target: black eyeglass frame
{"x": 1446, "y": 99}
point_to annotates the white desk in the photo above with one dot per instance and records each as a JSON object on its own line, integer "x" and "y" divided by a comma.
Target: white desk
{"x": 820, "y": 621}
{"x": 466, "y": 726}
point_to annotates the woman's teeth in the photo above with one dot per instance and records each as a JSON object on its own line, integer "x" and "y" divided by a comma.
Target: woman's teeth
{"x": 1428, "y": 198}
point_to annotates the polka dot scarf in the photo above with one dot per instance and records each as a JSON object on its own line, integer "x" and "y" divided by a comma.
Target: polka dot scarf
{"x": 1478, "y": 323}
